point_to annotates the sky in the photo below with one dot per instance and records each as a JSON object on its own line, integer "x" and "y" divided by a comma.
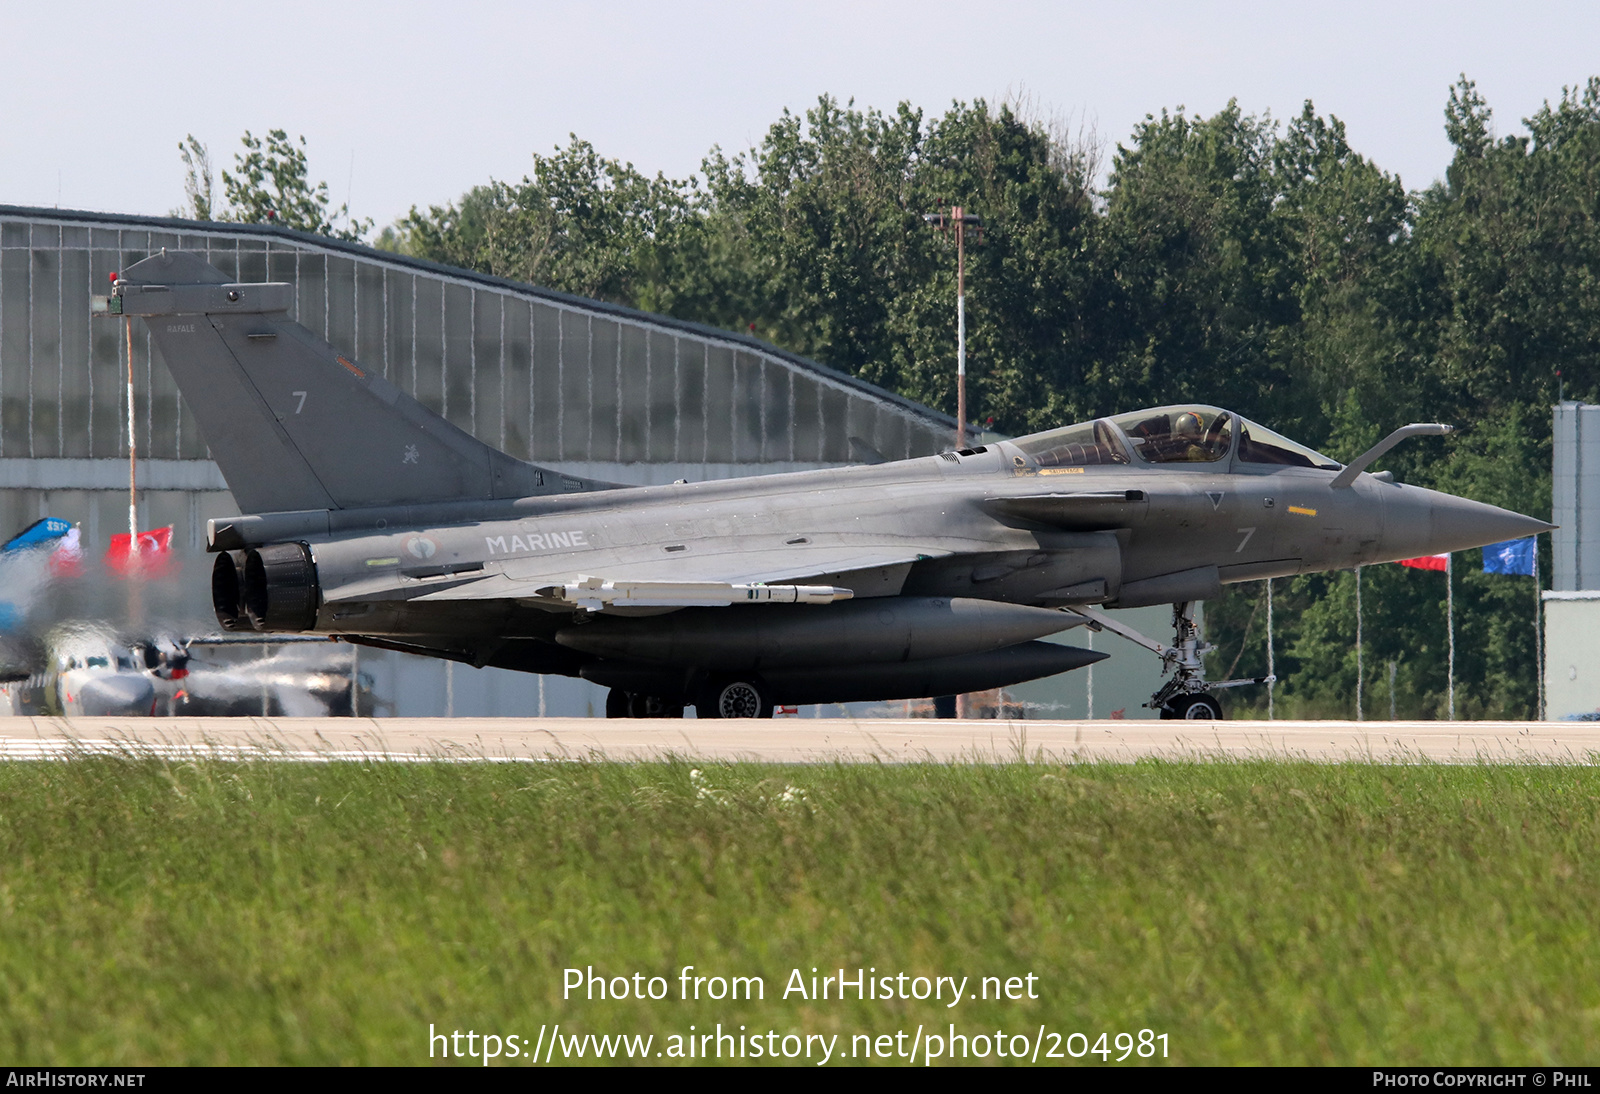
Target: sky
{"x": 411, "y": 103}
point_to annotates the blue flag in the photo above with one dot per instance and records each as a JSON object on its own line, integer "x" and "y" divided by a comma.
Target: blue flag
{"x": 40, "y": 531}
{"x": 1514, "y": 556}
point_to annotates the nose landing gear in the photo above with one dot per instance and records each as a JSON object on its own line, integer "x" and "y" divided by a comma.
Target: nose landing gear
{"x": 1186, "y": 694}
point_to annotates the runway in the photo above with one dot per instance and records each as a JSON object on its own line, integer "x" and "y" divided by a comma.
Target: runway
{"x": 797, "y": 740}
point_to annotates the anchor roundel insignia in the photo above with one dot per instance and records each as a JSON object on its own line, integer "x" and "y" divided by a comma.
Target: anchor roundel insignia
{"x": 421, "y": 547}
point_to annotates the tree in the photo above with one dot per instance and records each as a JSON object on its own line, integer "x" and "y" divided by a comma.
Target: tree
{"x": 1511, "y": 242}
{"x": 270, "y": 184}
{"x": 829, "y": 207}
{"x": 825, "y": 209}
{"x": 1200, "y": 278}
{"x": 1030, "y": 284}
{"x": 580, "y": 223}
{"x": 197, "y": 180}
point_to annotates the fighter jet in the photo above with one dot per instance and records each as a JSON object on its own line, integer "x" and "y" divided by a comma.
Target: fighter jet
{"x": 375, "y": 520}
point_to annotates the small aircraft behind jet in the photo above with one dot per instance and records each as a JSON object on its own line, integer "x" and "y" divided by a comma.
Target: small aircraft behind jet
{"x": 85, "y": 669}
{"x": 373, "y": 519}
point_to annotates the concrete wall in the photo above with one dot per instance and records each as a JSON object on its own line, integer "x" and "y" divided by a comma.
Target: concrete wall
{"x": 1572, "y": 655}
{"x": 1576, "y": 497}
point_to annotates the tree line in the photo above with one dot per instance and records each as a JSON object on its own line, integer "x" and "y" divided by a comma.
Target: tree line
{"x": 1231, "y": 259}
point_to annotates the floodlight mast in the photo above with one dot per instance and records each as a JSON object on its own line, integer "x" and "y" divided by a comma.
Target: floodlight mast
{"x": 959, "y": 218}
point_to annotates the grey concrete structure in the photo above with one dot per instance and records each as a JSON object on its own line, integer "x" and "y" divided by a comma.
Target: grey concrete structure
{"x": 589, "y": 388}
{"x": 1576, "y": 500}
{"x": 1572, "y": 655}
{"x": 1572, "y": 606}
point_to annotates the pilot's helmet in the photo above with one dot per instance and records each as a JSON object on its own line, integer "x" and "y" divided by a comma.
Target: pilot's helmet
{"x": 1188, "y": 425}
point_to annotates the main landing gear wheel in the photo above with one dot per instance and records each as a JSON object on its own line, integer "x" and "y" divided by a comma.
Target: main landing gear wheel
{"x": 1203, "y": 707}
{"x": 632, "y": 704}
{"x": 653, "y": 706}
{"x": 733, "y": 698}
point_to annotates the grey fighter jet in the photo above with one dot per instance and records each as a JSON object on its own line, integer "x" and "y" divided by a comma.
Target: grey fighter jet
{"x": 375, "y": 520}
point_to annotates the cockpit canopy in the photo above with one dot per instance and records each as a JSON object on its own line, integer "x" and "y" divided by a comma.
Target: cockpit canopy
{"x": 1168, "y": 435}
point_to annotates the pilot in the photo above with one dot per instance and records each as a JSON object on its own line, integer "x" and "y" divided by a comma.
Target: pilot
{"x": 1189, "y": 433}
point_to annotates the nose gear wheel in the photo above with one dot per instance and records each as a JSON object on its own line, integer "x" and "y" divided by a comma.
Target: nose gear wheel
{"x": 1203, "y": 707}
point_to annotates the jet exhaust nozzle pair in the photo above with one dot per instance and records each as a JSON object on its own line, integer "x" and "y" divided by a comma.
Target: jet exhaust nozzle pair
{"x": 271, "y": 588}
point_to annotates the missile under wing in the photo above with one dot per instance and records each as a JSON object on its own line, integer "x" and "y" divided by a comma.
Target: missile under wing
{"x": 373, "y": 519}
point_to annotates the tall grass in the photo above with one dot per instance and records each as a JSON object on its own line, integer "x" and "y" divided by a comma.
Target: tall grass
{"x": 215, "y": 912}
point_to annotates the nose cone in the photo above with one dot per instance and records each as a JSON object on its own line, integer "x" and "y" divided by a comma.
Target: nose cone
{"x": 1456, "y": 524}
{"x": 1426, "y": 522}
{"x": 114, "y": 694}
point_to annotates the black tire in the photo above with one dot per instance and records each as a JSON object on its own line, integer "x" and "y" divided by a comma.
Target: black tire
{"x": 731, "y": 697}
{"x": 653, "y": 706}
{"x": 1203, "y": 708}
{"x": 617, "y": 704}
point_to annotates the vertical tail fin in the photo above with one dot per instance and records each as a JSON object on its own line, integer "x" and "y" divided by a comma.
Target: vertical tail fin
{"x": 292, "y": 423}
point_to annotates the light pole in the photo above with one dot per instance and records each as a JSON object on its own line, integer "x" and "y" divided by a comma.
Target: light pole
{"x": 958, "y": 219}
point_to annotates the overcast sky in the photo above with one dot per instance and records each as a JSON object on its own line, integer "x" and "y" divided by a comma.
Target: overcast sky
{"x": 408, "y": 103}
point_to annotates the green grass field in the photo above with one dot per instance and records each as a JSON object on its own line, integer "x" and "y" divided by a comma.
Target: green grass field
{"x": 156, "y": 912}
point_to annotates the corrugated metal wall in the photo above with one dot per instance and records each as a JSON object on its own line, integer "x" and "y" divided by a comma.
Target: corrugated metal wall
{"x": 545, "y": 377}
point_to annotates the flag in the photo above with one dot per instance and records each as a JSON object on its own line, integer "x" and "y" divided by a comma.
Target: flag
{"x": 27, "y": 563}
{"x": 38, "y": 533}
{"x": 1428, "y": 562}
{"x": 154, "y": 552}
{"x": 1514, "y": 556}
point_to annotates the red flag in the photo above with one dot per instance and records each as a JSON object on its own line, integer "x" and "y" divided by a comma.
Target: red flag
{"x": 154, "y": 552}
{"x": 1428, "y": 562}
